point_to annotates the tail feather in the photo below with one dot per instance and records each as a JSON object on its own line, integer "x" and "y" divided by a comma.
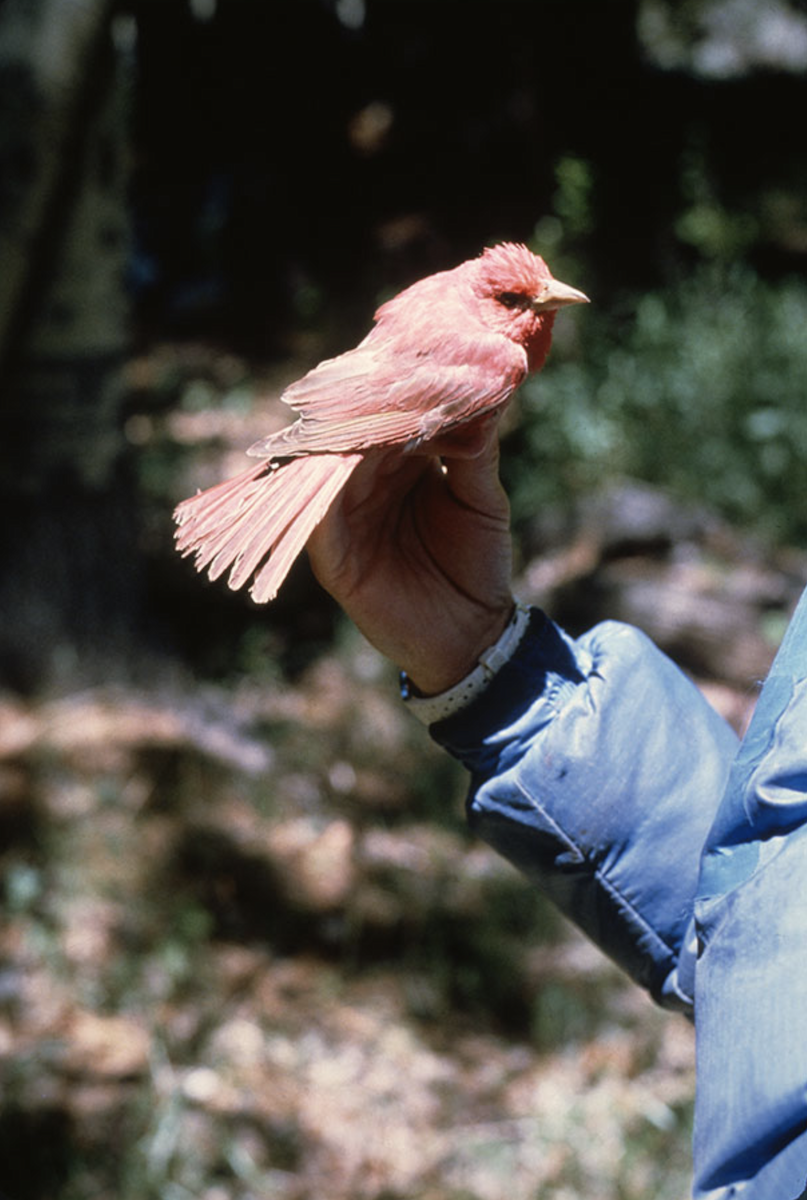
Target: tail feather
{"x": 220, "y": 541}
{"x": 200, "y": 515}
{"x": 309, "y": 486}
{"x": 258, "y": 522}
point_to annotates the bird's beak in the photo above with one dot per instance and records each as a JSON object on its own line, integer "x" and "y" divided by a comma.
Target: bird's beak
{"x": 555, "y": 294}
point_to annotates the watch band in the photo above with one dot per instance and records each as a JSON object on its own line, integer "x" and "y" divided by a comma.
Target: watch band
{"x": 430, "y": 709}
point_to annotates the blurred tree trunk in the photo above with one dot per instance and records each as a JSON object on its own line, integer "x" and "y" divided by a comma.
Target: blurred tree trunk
{"x": 66, "y": 583}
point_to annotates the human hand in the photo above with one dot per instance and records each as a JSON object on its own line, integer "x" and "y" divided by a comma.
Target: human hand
{"x": 417, "y": 552}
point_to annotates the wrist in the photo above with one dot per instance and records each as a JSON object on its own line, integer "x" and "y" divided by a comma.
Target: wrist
{"x": 438, "y": 666}
{"x": 430, "y": 707}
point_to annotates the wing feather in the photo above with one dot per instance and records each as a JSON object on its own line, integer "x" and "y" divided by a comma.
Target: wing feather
{"x": 375, "y": 397}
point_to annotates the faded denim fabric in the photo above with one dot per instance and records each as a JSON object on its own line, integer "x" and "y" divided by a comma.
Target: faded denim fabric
{"x": 600, "y": 771}
{"x": 751, "y": 975}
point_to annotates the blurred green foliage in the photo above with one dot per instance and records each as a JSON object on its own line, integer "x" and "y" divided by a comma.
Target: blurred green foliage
{"x": 698, "y": 388}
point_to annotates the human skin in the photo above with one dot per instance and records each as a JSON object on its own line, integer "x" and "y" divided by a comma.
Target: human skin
{"x": 421, "y": 560}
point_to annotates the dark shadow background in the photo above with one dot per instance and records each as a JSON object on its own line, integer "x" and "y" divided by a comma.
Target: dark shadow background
{"x": 253, "y": 175}
{"x": 287, "y": 166}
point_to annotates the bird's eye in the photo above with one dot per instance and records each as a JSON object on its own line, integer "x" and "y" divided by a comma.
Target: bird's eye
{"x": 510, "y": 299}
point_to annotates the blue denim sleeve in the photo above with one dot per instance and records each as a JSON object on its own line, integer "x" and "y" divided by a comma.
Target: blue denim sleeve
{"x": 596, "y": 769}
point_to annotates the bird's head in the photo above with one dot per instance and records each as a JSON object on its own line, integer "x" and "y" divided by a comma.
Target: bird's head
{"x": 519, "y": 297}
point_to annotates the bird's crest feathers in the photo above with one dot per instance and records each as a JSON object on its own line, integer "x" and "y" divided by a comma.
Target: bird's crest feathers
{"x": 510, "y": 266}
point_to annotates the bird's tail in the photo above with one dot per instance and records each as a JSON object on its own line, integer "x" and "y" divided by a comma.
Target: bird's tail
{"x": 258, "y": 522}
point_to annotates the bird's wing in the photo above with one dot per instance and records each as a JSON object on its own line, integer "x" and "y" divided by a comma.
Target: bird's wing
{"x": 370, "y": 397}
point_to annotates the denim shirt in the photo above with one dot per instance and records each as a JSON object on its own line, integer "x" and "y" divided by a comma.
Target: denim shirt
{"x": 601, "y": 772}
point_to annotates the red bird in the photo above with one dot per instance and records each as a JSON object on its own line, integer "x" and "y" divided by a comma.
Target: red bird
{"x": 444, "y": 355}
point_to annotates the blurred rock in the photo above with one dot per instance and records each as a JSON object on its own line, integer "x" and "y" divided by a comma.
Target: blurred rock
{"x": 314, "y": 864}
{"x": 111, "y": 1046}
{"x": 715, "y": 601}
